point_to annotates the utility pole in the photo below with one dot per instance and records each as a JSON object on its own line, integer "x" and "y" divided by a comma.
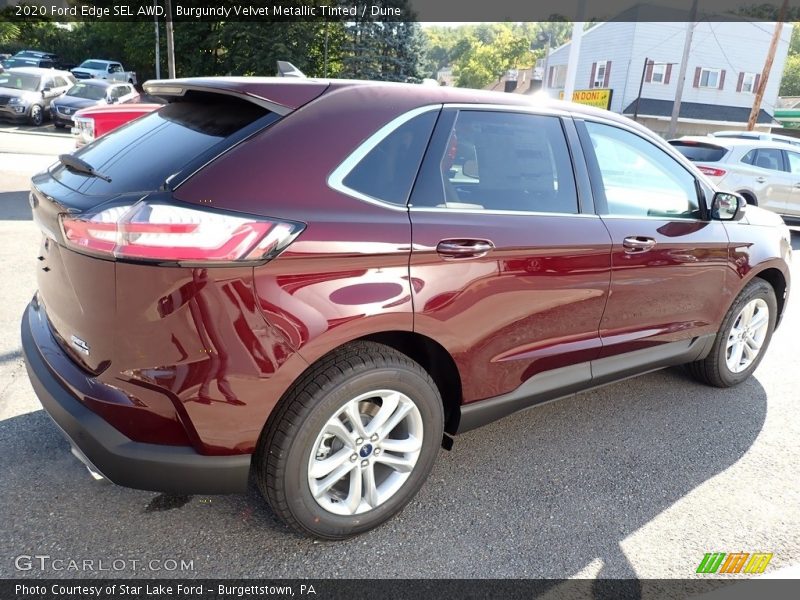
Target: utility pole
{"x": 158, "y": 42}
{"x": 326, "y": 50}
{"x": 641, "y": 85}
{"x": 687, "y": 46}
{"x": 762, "y": 84}
{"x": 170, "y": 42}
{"x": 574, "y": 51}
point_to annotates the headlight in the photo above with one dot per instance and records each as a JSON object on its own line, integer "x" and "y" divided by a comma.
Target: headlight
{"x": 16, "y": 100}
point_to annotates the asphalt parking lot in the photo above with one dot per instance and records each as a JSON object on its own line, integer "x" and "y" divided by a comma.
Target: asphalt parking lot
{"x": 638, "y": 479}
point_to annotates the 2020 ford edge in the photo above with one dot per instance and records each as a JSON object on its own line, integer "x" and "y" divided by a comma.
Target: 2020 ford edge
{"x": 317, "y": 282}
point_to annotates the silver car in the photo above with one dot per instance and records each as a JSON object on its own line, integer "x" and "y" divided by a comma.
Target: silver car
{"x": 766, "y": 173}
{"x": 26, "y": 92}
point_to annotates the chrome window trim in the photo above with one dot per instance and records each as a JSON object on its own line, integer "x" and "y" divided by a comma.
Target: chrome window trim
{"x": 480, "y": 211}
{"x": 340, "y": 173}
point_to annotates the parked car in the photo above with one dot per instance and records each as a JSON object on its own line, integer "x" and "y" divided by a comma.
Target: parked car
{"x": 104, "y": 69}
{"x": 92, "y": 123}
{"x": 26, "y": 92}
{"x": 758, "y": 135}
{"x": 91, "y": 92}
{"x": 320, "y": 297}
{"x": 766, "y": 174}
{"x": 41, "y": 63}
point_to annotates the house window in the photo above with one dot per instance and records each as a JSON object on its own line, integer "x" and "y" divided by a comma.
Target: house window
{"x": 558, "y": 76}
{"x": 709, "y": 78}
{"x": 659, "y": 73}
{"x": 600, "y": 71}
{"x": 748, "y": 82}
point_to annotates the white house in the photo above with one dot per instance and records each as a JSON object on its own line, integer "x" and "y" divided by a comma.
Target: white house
{"x": 724, "y": 67}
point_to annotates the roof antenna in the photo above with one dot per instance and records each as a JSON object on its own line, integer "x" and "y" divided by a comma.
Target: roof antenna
{"x": 287, "y": 69}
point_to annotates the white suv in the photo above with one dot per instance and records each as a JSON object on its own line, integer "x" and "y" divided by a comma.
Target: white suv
{"x": 766, "y": 173}
{"x": 758, "y": 135}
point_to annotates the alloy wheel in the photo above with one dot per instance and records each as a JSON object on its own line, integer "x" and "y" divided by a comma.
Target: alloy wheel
{"x": 747, "y": 335}
{"x": 365, "y": 452}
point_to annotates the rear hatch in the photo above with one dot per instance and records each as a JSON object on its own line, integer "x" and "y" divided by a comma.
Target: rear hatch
{"x": 706, "y": 155}
{"x": 141, "y": 161}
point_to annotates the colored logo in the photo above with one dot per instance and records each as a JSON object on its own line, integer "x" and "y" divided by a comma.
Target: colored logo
{"x": 737, "y": 562}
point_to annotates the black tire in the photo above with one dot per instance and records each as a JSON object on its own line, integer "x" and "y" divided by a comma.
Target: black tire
{"x": 58, "y": 125}
{"x": 281, "y": 462}
{"x": 749, "y": 198}
{"x": 36, "y": 116}
{"x": 714, "y": 370}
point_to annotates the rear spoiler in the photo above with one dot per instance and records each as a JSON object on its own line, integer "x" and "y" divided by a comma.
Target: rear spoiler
{"x": 278, "y": 95}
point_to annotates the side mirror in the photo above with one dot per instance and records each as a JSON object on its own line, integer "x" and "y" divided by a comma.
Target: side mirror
{"x": 46, "y": 90}
{"x": 727, "y": 206}
{"x": 111, "y": 100}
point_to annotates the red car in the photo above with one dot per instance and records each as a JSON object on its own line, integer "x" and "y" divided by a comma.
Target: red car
{"x": 317, "y": 282}
{"x": 95, "y": 121}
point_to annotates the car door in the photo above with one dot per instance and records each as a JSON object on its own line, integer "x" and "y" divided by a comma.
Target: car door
{"x": 793, "y": 204}
{"x": 668, "y": 259}
{"x": 509, "y": 266}
{"x": 769, "y": 175}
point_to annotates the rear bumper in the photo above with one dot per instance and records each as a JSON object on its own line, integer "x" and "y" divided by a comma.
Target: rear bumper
{"x": 160, "y": 468}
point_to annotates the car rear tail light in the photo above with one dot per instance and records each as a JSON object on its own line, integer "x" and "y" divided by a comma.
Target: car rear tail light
{"x": 167, "y": 232}
{"x": 712, "y": 171}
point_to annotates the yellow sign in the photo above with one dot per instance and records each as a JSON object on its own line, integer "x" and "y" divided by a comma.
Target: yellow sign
{"x": 599, "y": 97}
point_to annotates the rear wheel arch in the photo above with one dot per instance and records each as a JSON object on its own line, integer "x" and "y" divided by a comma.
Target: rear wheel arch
{"x": 749, "y": 197}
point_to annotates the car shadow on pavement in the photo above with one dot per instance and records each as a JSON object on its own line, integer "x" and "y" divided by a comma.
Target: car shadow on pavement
{"x": 544, "y": 493}
{"x": 14, "y": 206}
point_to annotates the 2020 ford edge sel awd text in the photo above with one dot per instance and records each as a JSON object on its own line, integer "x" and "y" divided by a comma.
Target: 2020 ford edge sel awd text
{"x": 317, "y": 281}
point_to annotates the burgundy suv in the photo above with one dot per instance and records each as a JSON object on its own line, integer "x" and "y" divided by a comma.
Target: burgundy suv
{"x": 316, "y": 281}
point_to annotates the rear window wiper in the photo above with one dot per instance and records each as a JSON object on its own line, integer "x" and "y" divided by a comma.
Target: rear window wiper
{"x": 81, "y": 166}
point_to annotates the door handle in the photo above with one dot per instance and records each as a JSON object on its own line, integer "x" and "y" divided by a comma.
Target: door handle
{"x": 761, "y": 179}
{"x": 464, "y": 248}
{"x": 638, "y": 243}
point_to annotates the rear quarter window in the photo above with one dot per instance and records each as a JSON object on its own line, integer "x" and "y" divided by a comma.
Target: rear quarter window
{"x": 387, "y": 172}
{"x": 700, "y": 152}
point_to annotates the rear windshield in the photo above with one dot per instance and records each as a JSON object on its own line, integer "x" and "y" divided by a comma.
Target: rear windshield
{"x": 700, "y": 152}
{"x": 94, "y": 65}
{"x": 142, "y": 155}
{"x": 89, "y": 92}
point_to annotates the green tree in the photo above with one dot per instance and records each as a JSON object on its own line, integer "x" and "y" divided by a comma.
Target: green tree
{"x": 790, "y": 83}
{"x": 381, "y": 49}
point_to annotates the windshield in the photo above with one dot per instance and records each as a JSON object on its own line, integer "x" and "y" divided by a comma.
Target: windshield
{"x": 20, "y": 81}
{"x": 93, "y": 64}
{"x": 90, "y": 92}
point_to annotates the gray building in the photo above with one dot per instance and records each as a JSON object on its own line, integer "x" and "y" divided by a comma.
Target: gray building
{"x": 724, "y": 68}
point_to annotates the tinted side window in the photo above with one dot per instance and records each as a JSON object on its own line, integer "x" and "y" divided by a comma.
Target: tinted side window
{"x": 794, "y": 162}
{"x": 388, "y": 170}
{"x": 769, "y": 158}
{"x": 749, "y": 158}
{"x": 505, "y": 161}
{"x": 640, "y": 179}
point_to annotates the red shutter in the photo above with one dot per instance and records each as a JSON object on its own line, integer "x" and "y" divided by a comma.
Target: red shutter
{"x": 740, "y": 82}
{"x": 696, "y": 77}
{"x": 591, "y": 77}
{"x": 755, "y": 84}
{"x": 668, "y": 74}
{"x": 722, "y": 79}
{"x": 648, "y": 72}
{"x": 550, "y": 77}
{"x": 608, "y": 74}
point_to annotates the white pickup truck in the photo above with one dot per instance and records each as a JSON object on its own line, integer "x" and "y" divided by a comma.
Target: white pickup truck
{"x": 104, "y": 69}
